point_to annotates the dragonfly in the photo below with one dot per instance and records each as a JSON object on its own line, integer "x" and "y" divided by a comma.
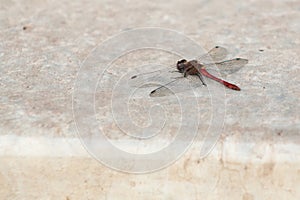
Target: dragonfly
{"x": 194, "y": 70}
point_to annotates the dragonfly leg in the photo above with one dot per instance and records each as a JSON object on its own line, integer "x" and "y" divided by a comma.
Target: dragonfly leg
{"x": 187, "y": 71}
{"x": 185, "y": 74}
{"x": 201, "y": 78}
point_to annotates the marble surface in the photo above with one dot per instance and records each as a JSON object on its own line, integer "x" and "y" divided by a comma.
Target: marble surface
{"x": 43, "y": 45}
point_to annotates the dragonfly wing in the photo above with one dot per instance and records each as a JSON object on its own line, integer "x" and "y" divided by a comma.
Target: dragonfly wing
{"x": 180, "y": 84}
{"x": 150, "y": 79}
{"x": 215, "y": 54}
{"x": 227, "y": 66}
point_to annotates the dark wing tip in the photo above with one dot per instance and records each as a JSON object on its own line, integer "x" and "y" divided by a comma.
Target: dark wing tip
{"x": 152, "y": 93}
{"x": 133, "y": 77}
{"x": 219, "y": 47}
{"x": 245, "y": 61}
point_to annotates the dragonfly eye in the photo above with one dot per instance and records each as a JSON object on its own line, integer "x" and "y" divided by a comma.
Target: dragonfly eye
{"x": 181, "y": 65}
{"x": 181, "y": 61}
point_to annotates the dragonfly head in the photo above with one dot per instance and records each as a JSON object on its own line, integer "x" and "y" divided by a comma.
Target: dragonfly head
{"x": 181, "y": 65}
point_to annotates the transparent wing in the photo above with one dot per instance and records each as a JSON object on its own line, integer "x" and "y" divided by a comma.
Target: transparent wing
{"x": 180, "y": 84}
{"x": 167, "y": 81}
{"x": 168, "y": 73}
{"x": 172, "y": 82}
{"x": 227, "y": 66}
{"x": 151, "y": 79}
{"x": 215, "y": 54}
